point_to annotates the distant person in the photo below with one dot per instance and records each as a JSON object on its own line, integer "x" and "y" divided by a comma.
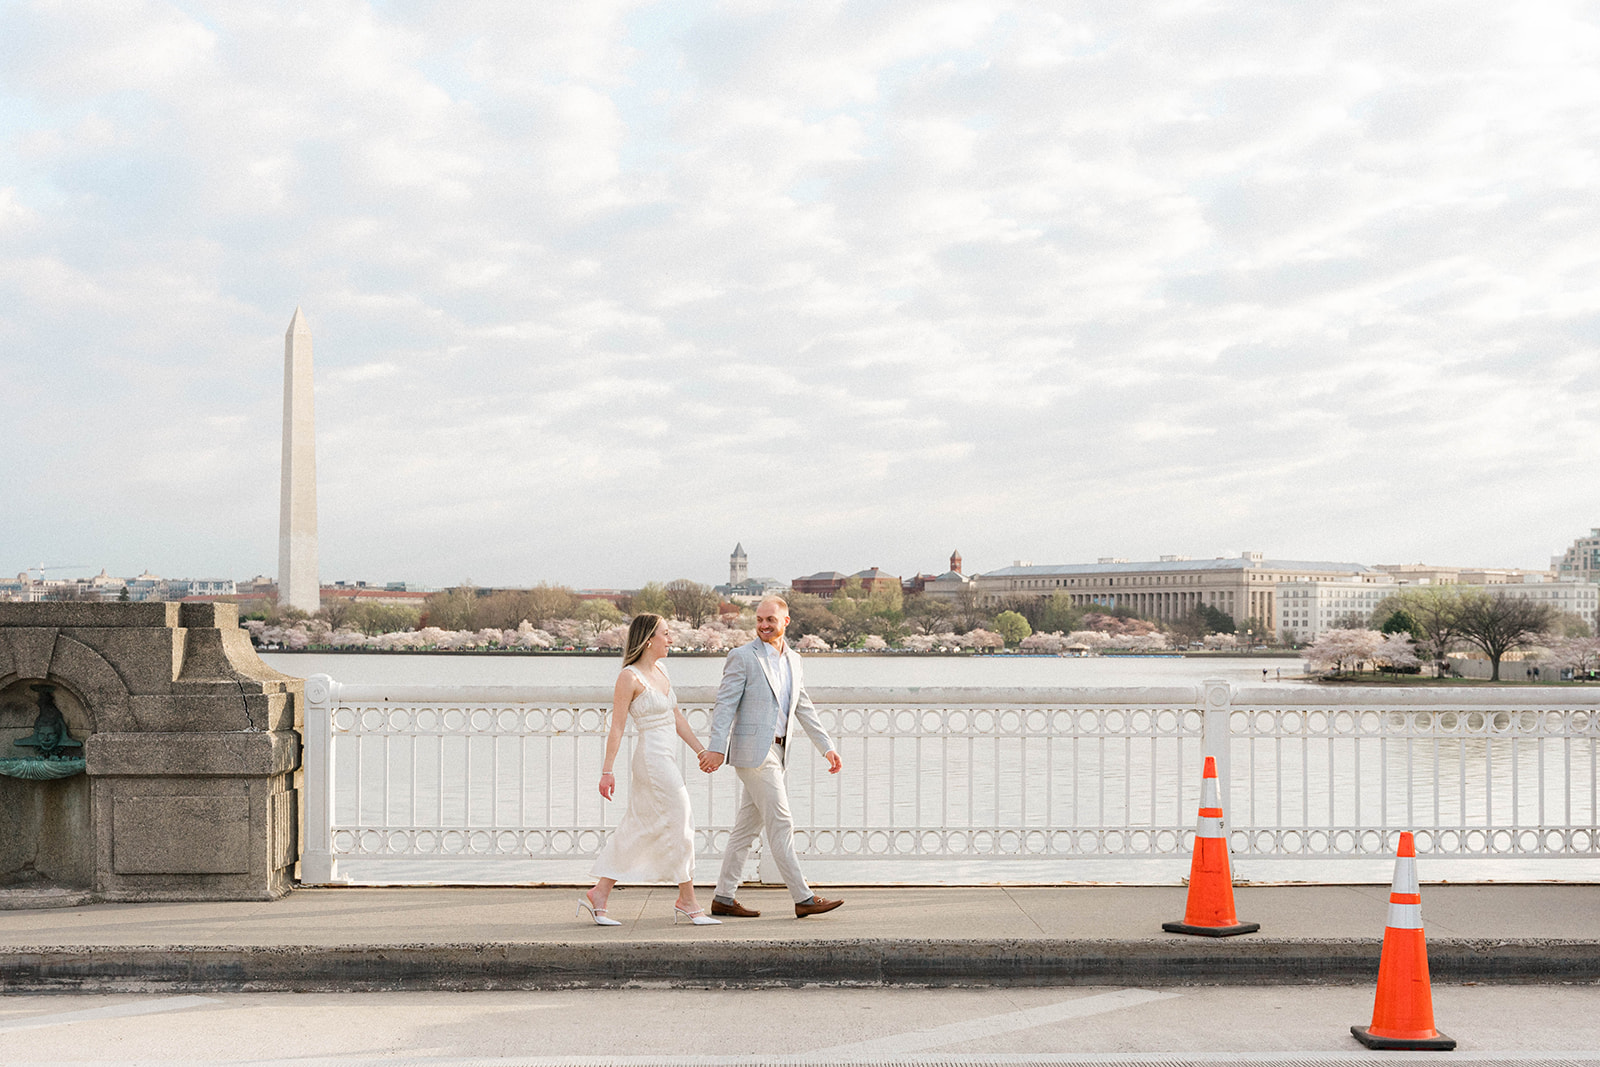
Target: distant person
{"x": 654, "y": 842}
{"x": 761, "y": 697}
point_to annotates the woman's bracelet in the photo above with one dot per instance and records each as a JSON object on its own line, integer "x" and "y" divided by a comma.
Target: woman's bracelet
{"x": 604, "y": 773}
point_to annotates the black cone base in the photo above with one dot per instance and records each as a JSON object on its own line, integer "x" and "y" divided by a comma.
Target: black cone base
{"x": 1427, "y": 1044}
{"x": 1211, "y": 931}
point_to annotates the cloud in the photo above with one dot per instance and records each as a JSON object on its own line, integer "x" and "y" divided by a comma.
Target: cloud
{"x": 598, "y": 289}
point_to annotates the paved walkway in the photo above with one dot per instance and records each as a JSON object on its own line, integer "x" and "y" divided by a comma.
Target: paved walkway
{"x": 527, "y": 938}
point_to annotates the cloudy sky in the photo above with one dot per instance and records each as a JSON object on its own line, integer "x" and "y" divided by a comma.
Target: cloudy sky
{"x": 599, "y": 288}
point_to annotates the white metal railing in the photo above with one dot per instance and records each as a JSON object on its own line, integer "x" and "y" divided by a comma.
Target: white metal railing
{"x": 497, "y": 785}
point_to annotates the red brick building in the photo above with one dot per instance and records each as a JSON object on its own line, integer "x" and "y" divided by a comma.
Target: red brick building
{"x": 826, "y": 583}
{"x": 823, "y": 584}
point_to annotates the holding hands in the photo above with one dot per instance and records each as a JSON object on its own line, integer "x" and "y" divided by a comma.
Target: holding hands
{"x": 710, "y": 761}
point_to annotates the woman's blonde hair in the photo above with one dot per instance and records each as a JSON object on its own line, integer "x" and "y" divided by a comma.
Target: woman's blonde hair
{"x": 640, "y": 631}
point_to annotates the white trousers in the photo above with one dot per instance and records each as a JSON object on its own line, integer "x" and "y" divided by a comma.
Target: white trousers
{"x": 763, "y": 806}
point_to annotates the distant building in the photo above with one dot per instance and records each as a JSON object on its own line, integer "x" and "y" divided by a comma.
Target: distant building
{"x": 1306, "y": 609}
{"x": 1168, "y": 589}
{"x": 823, "y": 584}
{"x": 826, "y": 584}
{"x": 951, "y": 585}
{"x": 21, "y": 589}
{"x": 182, "y": 588}
{"x": 1580, "y": 598}
{"x": 617, "y": 597}
{"x": 1427, "y": 574}
{"x": 107, "y": 587}
{"x": 1581, "y": 562}
{"x": 751, "y": 590}
{"x": 258, "y": 588}
{"x": 361, "y": 593}
{"x": 146, "y": 586}
{"x": 743, "y": 589}
{"x": 875, "y": 580}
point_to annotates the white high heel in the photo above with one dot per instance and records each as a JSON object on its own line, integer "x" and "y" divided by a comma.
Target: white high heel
{"x": 597, "y": 914}
{"x": 698, "y": 916}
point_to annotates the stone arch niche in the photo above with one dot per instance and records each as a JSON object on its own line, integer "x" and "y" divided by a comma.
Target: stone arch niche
{"x": 191, "y": 749}
{"x": 46, "y": 827}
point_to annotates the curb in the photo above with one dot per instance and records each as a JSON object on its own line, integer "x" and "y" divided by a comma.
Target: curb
{"x": 876, "y": 962}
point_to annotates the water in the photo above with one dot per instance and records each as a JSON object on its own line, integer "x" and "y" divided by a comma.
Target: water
{"x": 821, "y": 670}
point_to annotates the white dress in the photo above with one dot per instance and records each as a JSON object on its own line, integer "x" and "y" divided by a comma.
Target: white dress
{"x": 654, "y": 842}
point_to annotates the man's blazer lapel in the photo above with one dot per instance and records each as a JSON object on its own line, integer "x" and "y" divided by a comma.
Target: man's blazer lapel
{"x": 794, "y": 676}
{"x": 766, "y": 668}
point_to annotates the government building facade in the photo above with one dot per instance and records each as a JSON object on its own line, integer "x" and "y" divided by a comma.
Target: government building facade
{"x": 1168, "y": 589}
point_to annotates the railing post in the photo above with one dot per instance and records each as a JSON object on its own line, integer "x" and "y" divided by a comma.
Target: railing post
{"x": 316, "y": 859}
{"x": 1217, "y": 706}
{"x": 766, "y": 866}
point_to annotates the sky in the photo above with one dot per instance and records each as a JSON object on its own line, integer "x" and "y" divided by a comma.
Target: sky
{"x": 598, "y": 289}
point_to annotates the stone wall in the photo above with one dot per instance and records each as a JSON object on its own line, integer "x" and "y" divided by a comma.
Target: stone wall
{"x": 192, "y": 750}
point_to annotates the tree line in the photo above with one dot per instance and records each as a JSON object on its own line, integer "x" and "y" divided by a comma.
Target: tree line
{"x": 855, "y": 617}
{"x": 1444, "y": 618}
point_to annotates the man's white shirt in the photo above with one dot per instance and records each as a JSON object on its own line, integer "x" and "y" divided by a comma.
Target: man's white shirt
{"x": 784, "y": 676}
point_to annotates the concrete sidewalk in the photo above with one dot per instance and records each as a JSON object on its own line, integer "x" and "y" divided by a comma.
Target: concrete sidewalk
{"x": 365, "y": 939}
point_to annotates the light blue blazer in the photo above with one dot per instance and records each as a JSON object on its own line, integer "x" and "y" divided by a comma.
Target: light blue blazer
{"x": 745, "y": 719}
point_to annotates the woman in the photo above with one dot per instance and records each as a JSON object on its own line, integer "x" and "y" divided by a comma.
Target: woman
{"x": 655, "y": 840}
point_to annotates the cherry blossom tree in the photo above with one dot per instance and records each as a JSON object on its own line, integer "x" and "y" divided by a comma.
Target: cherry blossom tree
{"x": 348, "y": 639}
{"x": 1044, "y": 643}
{"x": 568, "y": 632}
{"x": 981, "y": 640}
{"x": 1338, "y": 650}
{"x": 1397, "y": 651}
{"x": 874, "y": 643}
{"x": 1578, "y": 654}
{"x": 811, "y": 643}
{"x": 681, "y": 635}
{"x": 402, "y": 639}
{"x": 1094, "y": 640}
{"x": 431, "y": 636}
{"x": 1153, "y": 641}
{"x": 714, "y": 637}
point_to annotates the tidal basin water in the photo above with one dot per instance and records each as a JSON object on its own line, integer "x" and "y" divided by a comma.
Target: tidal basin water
{"x": 821, "y": 670}
{"x": 905, "y": 782}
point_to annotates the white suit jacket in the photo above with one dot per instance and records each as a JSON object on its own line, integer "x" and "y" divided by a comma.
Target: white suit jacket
{"x": 745, "y": 719}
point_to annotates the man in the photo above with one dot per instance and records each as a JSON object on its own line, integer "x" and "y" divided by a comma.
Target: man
{"x": 761, "y": 696}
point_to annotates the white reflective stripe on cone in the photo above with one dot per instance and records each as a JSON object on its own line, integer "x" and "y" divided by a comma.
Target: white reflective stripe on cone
{"x": 1208, "y": 793}
{"x": 1405, "y": 916}
{"x": 1405, "y": 875}
{"x": 1209, "y": 826}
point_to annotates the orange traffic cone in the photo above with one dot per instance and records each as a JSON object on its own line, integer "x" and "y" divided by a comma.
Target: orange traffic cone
{"x": 1402, "y": 1015}
{"x": 1210, "y": 910}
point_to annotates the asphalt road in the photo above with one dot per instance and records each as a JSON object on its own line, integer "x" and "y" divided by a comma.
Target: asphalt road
{"x": 1522, "y": 1024}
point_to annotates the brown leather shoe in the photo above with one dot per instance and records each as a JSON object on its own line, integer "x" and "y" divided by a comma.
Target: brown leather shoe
{"x": 815, "y": 906}
{"x": 736, "y": 908}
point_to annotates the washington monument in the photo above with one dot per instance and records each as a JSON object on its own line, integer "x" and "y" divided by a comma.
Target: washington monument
{"x": 297, "y": 517}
